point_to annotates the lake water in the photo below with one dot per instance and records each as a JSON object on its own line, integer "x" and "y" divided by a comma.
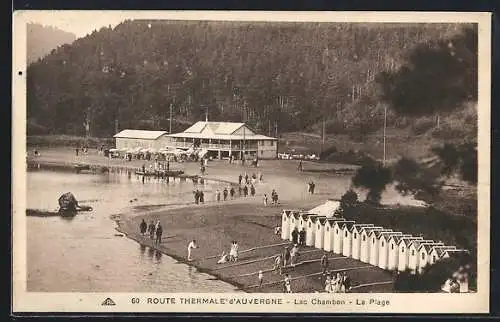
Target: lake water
{"x": 83, "y": 254}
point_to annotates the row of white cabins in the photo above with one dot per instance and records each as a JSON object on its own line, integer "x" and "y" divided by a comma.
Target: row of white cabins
{"x": 385, "y": 248}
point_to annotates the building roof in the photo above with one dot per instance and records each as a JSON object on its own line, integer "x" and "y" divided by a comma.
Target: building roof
{"x": 369, "y": 230}
{"x": 220, "y": 131}
{"x": 332, "y": 221}
{"x": 377, "y": 233}
{"x": 441, "y": 249}
{"x": 428, "y": 247}
{"x": 215, "y": 127}
{"x": 327, "y": 209}
{"x": 409, "y": 240}
{"x": 139, "y": 134}
{"x": 345, "y": 223}
{"x": 417, "y": 243}
{"x": 397, "y": 238}
{"x": 361, "y": 226}
{"x": 221, "y": 136}
{"x": 313, "y": 218}
{"x": 388, "y": 234}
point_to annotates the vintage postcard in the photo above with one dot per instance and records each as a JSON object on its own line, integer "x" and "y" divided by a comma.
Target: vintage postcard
{"x": 251, "y": 162}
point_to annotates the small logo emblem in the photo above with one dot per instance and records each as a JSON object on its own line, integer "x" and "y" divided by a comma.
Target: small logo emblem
{"x": 108, "y": 301}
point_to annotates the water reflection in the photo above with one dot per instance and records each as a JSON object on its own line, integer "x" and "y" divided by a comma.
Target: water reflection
{"x": 143, "y": 249}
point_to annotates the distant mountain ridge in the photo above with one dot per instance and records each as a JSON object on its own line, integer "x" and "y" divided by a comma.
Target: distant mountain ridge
{"x": 41, "y": 40}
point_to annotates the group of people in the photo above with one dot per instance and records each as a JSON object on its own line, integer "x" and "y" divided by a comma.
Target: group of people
{"x": 225, "y": 193}
{"x": 155, "y": 231}
{"x": 337, "y": 283}
{"x": 274, "y": 198}
{"x": 199, "y": 196}
{"x": 249, "y": 180}
{"x": 233, "y": 254}
{"x": 299, "y": 237}
{"x": 289, "y": 257}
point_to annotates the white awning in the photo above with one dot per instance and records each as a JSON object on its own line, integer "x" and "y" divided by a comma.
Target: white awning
{"x": 327, "y": 209}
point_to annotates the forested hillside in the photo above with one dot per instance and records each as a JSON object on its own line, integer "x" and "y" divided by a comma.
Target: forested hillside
{"x": 279, "y": 77}
{"x": 41, "y": 40}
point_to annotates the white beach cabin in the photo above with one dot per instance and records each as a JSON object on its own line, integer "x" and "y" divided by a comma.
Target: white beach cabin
{"x": 329, "y": 235}
{"x": 319, "y": 235}
{"x": 437, "y": 252}
{"x": 294, "y": 222}
{"x": 285, "y": 223}
{"x": 403, "y": 257}
{"x": 365, "y": 243}
{"x": 424, "y": 255}
{"x": 349, "y": 232}
{"x": 383, "y": 248}
{"x": 338, "y": 235}
{"x": 356, "y": 239}
{"x": 311, "y": 230}
{"x": 393, "y": 251}
{"x": 374, "y": 245}
{"x": 413, "y": 253}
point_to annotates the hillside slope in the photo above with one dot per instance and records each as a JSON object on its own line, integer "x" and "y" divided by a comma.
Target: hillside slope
{"x": 41, "y": 40}
{"x": 284, "y": 76}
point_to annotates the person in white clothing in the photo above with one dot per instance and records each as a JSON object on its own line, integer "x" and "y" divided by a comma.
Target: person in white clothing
{"x": 261, "y": 278}
{"x": 191, "y": 246}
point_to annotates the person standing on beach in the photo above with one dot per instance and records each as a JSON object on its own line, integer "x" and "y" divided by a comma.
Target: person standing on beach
{"x": 295, "y": 235}
{"x": 240, "y": 178}
{"x": 231, "y": 192}
{"x": 143, "y": 227}
{"x": 196, "y": 196}
{"x": 245, "y": 191}
{"x": 324, "y": 263}
{"x": 265, "y": 199}
{"x": 260, "y": 176}
{"x": 287, "y": 284}
{"x": 240, "y": 190}
{"x": 202, "y": 196}
{"x": 76, "y": 150}
{"x": 302, "y": 237}
{"x": 312, "y": 187}
{"x": 300, "y": 167}
{"x": 246, "y": 178}
{"x": 252, "y": 190}
{"x": 225, "y": 194}
{"x": 192, "y": 245}
{"x": 152, "y": 230}
{"x": 217, "y": 195}
{"x": 159, "y": 232}
{"x": 261, "y": 278}
{"x": 286, "y": 256}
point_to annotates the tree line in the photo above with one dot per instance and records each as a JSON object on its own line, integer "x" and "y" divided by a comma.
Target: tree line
{"x": 294, "y": 75}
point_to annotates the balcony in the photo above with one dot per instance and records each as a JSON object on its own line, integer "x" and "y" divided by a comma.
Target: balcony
{"x": 213, "y": 146}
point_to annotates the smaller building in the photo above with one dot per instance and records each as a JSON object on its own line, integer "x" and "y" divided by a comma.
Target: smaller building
{"x": 383, "y": 248}
{"x": 393, "y": 251}
{"x": 438, "y": 251}
{"x": 348, "y": 231}
{"x": 133, "y": 139}
{"x": 424, "y": 258}
{"x": 403, "y": 250}
{"x": 413, "y": 253}
{"x": 329, "y": 233}
{"x": 294, "y": 222}
{"x": 356, "y": 239}
{"x": 366, "y": 242}
{"x": 338, "y": 235}
{"x": 374, "y": 245}
{"x": 311, "y": 230}
{"x": 285, "y": 223}
{"x": 319, "y": 235}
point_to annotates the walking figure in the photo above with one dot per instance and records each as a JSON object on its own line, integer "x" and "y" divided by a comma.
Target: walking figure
{"x": 265, "y": 199}
{"x": 240, "y": 178}
{"x": 252, "y": 190}
{"x": 159, "y": 232}
{"x": 192, "y": 245}
{"x": 143, "y": 227}
{"x": 152, "y": 230}
{"x": 245, "y": 191}
{"x": 261, "y": 278}
{"x": 231, "y": 192}
{"x": 225, "y": 194}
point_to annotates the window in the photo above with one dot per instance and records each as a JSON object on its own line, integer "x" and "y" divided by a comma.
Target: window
{"x": 402, "y": 249}
{"x": 327, "y": 228}
{"x": 346, "y": 233}
{"x": 364, "y": 238}
{"x": 423, "y": 255}
{"x": 382, "y": 244}
{"x": 355, "y": 235}
{"x": 301, "y": 222}
{"x": 309, "y": 225}
{"x": 413, "y": 253}
{"x": 318, "y": 227}
{"x": 261, "y": 152}
{"x": 433, "y": 258}
{"x": 374, "y": 240}
{"x": 392, "y": 246}
{"x": 337, "y": 231}
{"x": 272, "y": 143}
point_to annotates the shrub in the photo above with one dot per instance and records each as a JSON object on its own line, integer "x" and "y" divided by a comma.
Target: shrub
{"x": 349, "y": 199}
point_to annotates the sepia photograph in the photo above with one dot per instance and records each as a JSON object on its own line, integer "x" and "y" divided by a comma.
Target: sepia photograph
{"x": 328, "y": 162}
